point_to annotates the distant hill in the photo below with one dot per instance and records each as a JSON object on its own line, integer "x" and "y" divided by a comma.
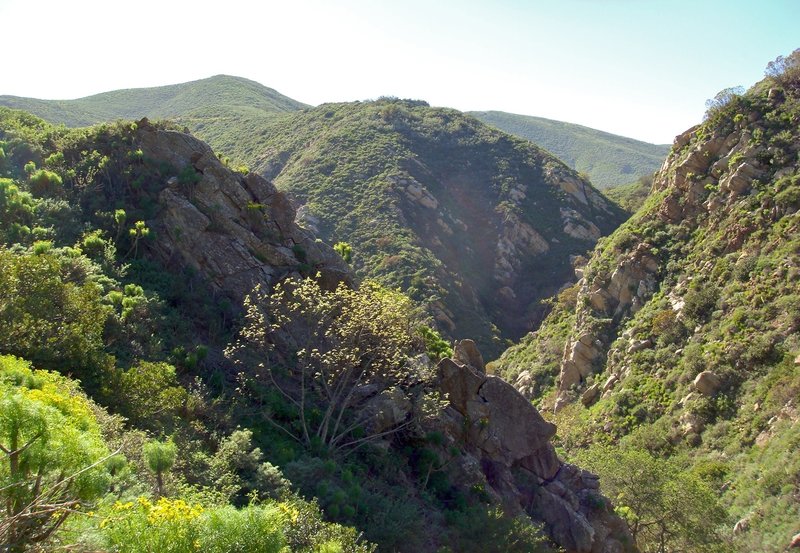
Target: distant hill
{"x": 228, "y": 112}
{"x": 631, "y": 196}
{"x": 608, "y": 159}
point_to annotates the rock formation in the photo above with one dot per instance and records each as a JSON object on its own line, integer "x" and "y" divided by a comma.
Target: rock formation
{"x": 507, "y": 450}
{"x": 236, "y": 230}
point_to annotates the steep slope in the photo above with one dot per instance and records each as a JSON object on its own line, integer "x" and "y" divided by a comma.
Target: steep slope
{"x": 126, "y": 257}
{"x": 607, "y": 158}
{"x": 682, "y": 337}
{"x": 470, "y": 220}
{"x": 228, "y": 112}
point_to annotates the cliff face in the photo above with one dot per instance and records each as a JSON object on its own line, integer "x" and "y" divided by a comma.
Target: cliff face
{"x": 236, "y": 230}
{"x": 682, "y": 334}
{"x": 507, "y": 451}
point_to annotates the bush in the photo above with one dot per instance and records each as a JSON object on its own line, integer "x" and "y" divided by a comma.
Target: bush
{"x": 51, "y": 447}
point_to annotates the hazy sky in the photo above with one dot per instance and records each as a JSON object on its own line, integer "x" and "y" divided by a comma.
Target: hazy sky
{"x": 639, "y": 68}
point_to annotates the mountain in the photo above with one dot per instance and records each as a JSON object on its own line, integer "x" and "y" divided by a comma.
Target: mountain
{"x": 607, "y": 158}
{"x": 229, "y": 112}
{"x": 431, "y": 200}
{"x": 679, "y": 345}
{"x": 182, "y": 366}
{"x": 476, "y": 223}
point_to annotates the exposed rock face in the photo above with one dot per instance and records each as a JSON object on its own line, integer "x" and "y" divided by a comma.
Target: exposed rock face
{"x": 508, "y": 450}
{"x": 238, "y": 231}
{"x": 622, "y": 293}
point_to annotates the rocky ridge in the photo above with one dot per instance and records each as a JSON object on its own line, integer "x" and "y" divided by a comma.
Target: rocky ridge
{"x": 475, "y": 223}
{"x": 507, "y": 450}
{"x": 681, "y": 337}
{"x": 236, "y": 230}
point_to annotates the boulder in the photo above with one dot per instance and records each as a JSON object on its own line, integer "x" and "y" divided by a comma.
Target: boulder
{"x": 386, "y": 410}
{"x": 507, "y": 450}
{"x": 707, "y": 383}
{"x": 590, "y": 395}
{"x": 795, "y": 543}
{"x": 740, "y": 180}
{"x": 610, "y": 382}
{"x": 466, "y": 352}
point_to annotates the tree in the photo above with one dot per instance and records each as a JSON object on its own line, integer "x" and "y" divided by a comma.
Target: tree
{"x": 330, "y": 352}
{"x": 150, "y": 392}
{"x": 239, "y": 469}
{"x": 45, "y": 184}
{"x": 785, "y": 70}
{"x": 722, "y": 99}
{"x": 51, "y": 313}
{"x": 138, "y": 232}
{"x": 666, "y": 508}
{"x": 51, "y": 453}
{"x": 160, "y": 457}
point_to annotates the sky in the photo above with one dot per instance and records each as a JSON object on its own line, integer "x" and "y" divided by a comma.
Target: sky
{"x": 638, "y": 68}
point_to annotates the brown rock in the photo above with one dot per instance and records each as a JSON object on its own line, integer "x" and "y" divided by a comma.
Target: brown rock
{"x": 590, "y": 395}
{"x": 707, "y": 383}
{"x": 386, "y": 410}
{"x": 237, "y": 231}
{"x": 795, "y": 543}
{"x": 466, "y": 352}
{"x": 460, "y": 383}
{"x": 740, "y": 180}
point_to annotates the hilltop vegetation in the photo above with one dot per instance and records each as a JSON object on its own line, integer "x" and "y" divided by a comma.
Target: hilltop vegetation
{"x": 608, "y": 159}
{"x": 678, "y": 350}
{"x": 429, "y": 200}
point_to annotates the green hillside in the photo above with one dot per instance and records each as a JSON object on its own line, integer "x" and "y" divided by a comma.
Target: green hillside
{"x": 677, "y": 352}
{"x": 608, "y": 159}
{"x": 476, "y": 223}
{"x": 229, "y": 112}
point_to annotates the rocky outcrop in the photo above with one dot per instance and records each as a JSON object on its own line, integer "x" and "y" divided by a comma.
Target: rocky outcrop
{"x": 609, "y": 299}
{"x": 237, "y": 231}
{"x": 507, "y": 450}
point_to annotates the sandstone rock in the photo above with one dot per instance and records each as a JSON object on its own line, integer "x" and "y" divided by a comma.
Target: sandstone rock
{"x": 569, "y": 376}
{"x": 610, "y": 382}
{"x": 639, "y": 345}
{"x": 569, "y": 528}
{"x": 590, "y": 395}
{"x": 741, "y": 526}
{"x": 237, "y": 231}
{"x": 707, "y": 383}
{"x": 795, "y": 543}
{"x": 740, "y": 180}
{"x": 682, "y": 140}
{"x": 508, "y": 451}
{"x": 460, "y": 383}
{"x": 466, "y": 352}
{"x": 575, "y": 188}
